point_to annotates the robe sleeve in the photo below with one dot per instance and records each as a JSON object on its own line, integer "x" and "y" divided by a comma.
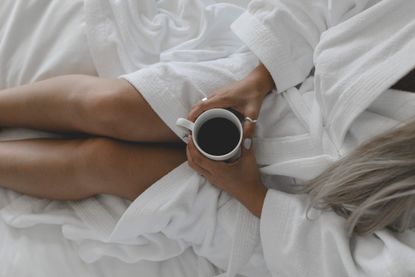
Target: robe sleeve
{"x": 301, "y": 242}
{"x": 284, "y": 33}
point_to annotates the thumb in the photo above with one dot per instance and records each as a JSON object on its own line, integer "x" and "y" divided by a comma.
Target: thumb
{"x": 247, "y": 152}
{"x": 249, "y": 129}
{"x": 208, "y": 103}
{"x": 249, "y": 124}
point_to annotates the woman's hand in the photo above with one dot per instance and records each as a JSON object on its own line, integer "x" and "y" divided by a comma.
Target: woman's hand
{"x": 241, "y": 178}
{"x": 244, "y": 96}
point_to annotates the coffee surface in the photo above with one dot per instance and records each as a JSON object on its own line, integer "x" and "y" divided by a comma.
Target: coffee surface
{"x": 218, "y": 136}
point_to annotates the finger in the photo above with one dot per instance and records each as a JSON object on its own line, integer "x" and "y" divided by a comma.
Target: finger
{"x": 249, "y": 129}
{"x": 195, "y": 166}
{"x": 198, "y": 158}
{"x": 204, "y": 106}
{"x": 210, "y": 103}
{"x": 247, "y": 145}
{"x": 249, "y": 126}
{"x": 247, "y": 152}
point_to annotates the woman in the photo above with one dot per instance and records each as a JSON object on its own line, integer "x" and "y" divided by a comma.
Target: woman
{"x": 112, "y": 108}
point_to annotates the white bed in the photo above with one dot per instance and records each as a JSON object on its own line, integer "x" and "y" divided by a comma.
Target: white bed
{"x": 39, "y": 237}
{"x": 42, "y": 251}
{"x": 106, "y": 236}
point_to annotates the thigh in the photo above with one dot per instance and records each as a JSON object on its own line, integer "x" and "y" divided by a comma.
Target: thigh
{"x": 116, "y": 109}
{"x": 127, "y": 169}
{"x": 143, "y": 123}
{"x": 40, "y": 39}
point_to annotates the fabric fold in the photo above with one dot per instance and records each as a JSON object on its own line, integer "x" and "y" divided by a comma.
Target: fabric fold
{"x": 271, "y": 51}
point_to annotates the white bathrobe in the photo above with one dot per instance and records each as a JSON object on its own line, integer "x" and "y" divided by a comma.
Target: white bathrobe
{"x": 358, "y": 48}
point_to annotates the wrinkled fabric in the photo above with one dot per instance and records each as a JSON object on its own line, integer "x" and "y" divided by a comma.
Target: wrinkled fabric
{"x": 174, "y": 58}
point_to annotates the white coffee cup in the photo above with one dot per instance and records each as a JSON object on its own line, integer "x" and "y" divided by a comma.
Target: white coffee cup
{"x": 194, "y": 127}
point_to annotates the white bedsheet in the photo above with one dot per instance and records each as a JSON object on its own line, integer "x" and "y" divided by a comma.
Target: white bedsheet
{"x": 42, "y": 251}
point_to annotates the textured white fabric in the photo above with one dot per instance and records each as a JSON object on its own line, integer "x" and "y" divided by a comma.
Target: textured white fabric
{"x": 133, "y": 34}
{"x": 314, "y": 243}
{"x": 350, "y": 71}
{"x": 42, "y": 251}
{"x": 32, "y": 50}
{"x": 175, "y": 56}
{"x": 358, "y": 50}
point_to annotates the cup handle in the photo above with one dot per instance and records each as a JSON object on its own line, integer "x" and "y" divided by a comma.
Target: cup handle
{"x": 187, "y": 124}
{"x": 182, "y": 122}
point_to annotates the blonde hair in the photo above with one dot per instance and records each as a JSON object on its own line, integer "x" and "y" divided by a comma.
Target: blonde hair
{"x": 374, "y": 186}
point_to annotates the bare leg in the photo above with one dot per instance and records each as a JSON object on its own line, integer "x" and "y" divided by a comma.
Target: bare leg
{"x": 87, "y": 104}
{"x": 76, "y": 169}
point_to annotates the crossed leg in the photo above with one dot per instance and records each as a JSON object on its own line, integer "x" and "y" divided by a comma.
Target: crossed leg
{"x": 86, "y": 104}
{"x": 79, "y": 168}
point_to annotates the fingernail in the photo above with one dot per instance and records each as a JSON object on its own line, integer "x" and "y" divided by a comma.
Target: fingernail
{"x": 247, "y": 143}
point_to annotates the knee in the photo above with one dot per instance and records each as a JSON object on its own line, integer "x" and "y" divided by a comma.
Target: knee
{"x": 99, "y": 164}
{"x": 112, "y": 167}
{"x": 102, "y": 104}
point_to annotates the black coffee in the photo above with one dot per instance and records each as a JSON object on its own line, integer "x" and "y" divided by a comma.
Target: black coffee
{"x": 218, "y": 136}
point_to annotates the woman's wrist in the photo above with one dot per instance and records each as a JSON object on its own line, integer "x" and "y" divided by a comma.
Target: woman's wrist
{"x": 261, "y": 80}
